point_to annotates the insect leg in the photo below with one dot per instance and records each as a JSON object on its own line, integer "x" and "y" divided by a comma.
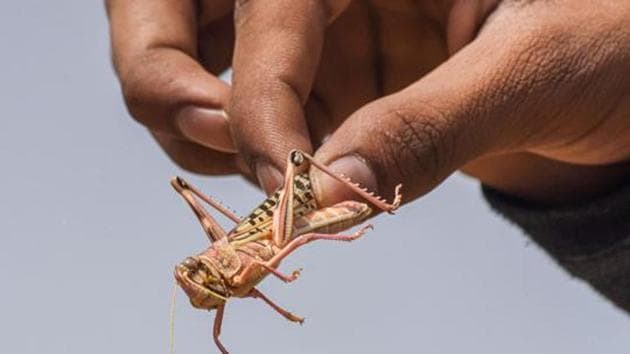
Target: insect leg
{"x": 304, "y": 239}
{"x": 239, "y": 279}
{"x": 216, "y": 331}
{"x": 292, "y": 246}
{"x": 369, "y": 196}
{"x": 285, "y": 278}
{"x": 256, "y": 294}
{"x": 283, "y": 217}
{"x": 213, "y": 203}
{"x": 213, "y": 230}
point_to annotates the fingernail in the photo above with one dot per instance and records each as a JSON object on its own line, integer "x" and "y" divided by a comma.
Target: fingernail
{"x": 329, "y": 191}
{"x": 207, "y": 127}
{"x": 268, "y": 176}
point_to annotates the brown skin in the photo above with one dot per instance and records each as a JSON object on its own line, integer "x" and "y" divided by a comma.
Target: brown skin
{"x": 530, "y": 97}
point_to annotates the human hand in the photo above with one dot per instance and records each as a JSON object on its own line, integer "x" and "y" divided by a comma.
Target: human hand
{"x": 167, "y": 54}
{"x": 530, "y": 97}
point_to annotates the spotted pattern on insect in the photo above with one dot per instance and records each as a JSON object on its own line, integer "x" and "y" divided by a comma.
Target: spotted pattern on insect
{"x": 258, "y": 223}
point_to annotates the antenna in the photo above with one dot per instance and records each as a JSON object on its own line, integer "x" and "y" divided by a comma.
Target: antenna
{"x": 171, "y": 329}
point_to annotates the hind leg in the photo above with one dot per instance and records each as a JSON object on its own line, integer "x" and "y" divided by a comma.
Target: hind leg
{"x": 213, "y": 230}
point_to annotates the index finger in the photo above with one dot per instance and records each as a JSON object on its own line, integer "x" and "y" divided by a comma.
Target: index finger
{"x": 166, "y": 87}
{"x": 277, "y": 51}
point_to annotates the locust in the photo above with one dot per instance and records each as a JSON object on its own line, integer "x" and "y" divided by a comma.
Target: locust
{"x": 236, "y": 261}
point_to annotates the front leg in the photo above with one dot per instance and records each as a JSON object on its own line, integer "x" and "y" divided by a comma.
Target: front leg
{"x": 285, "y": 278}
{"x": 247, "y": 273}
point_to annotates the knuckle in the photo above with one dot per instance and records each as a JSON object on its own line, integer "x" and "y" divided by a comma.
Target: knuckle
{"x": 547, "y": 71}
{"x": 133, "y": 93}
{"x": 150, "y": 94}
{"x": 419, "y": 144}
{"x": 537, "y": 66}
{"x": 553, "y": 60}
{"x": 538, "y": 57}
{"x": 134, "y": 85}
{"x": 557, "y": 53}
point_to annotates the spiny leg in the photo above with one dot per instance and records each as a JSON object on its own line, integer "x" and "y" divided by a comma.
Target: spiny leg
{"x": 216, "y": 330}
{"x": 283, "y": 216}
{"x": 256, "y": 294}
{"x": 213, "y": 203}
{"x": 369, "y": 196}
{"x": 282, "y": 225}
{"x": 213, "y": 230}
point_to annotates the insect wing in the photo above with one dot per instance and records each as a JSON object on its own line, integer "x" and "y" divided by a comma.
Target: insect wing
{"x": 259, "y": 221}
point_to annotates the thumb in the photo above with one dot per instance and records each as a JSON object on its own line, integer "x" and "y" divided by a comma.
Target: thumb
{"x": 500, "y": 93}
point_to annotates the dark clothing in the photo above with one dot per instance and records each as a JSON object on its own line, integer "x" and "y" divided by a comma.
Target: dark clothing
{"x": 591, "y": 241}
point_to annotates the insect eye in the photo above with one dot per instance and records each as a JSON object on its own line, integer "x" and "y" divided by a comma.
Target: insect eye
{"x": 191, "y": 263}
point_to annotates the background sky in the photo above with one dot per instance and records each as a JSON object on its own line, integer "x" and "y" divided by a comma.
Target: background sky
{"x": 90, "y": 230}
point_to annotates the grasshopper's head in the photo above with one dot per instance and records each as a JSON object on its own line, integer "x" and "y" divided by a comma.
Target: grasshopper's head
{"x": 202, "y": 283}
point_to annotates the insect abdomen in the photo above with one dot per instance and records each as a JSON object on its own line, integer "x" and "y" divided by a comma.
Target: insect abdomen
{"x": 333, "y": 219}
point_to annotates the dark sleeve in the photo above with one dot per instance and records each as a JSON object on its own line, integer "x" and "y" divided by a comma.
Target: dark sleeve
{"x": 591, "y": 241}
